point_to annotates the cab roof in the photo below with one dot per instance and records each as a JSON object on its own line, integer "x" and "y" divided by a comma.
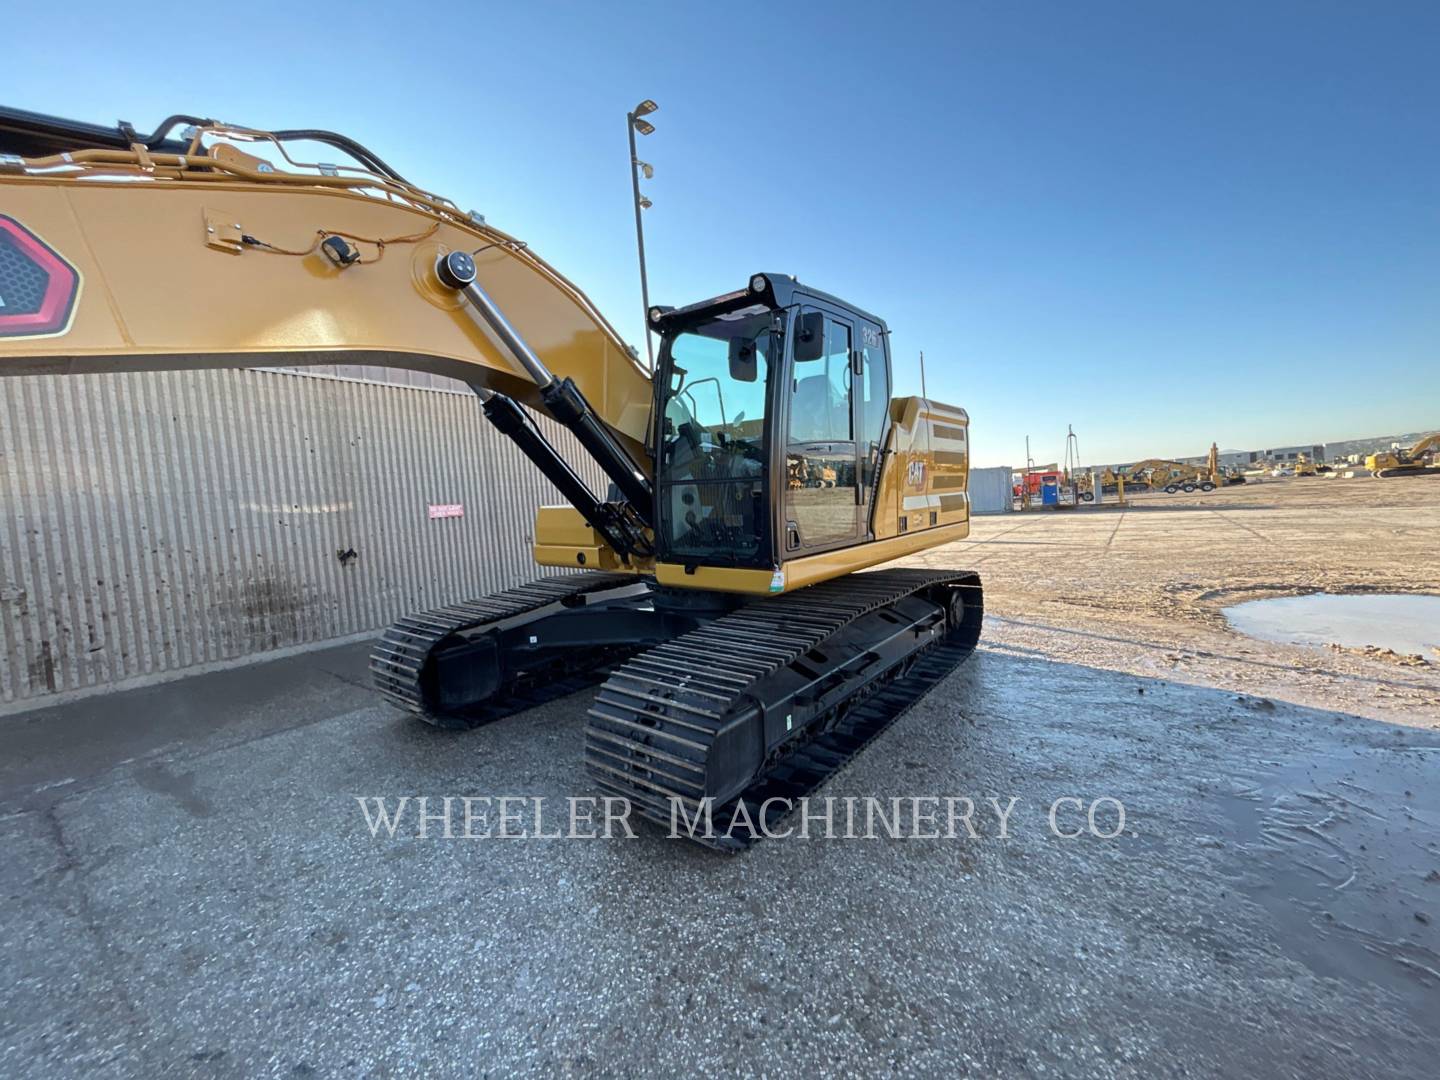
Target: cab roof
{"x": 769, "y": 290}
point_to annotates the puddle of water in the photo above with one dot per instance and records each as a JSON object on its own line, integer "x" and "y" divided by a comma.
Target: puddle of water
{"x": 1405, "y": 622}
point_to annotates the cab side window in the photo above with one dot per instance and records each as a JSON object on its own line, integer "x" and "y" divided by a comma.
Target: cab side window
{"x": 875, "y": 386}
{"x": 820, "y": 396}
{"x": 821, "y": 476}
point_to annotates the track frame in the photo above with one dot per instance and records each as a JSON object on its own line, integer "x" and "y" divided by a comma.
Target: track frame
{"x": 767, "y": 704}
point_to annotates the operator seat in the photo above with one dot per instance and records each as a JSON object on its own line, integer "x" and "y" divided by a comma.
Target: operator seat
{"x": 812, "y": 410}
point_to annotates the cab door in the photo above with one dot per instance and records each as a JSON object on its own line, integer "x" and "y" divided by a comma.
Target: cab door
{"x": 822, "y": 453}
{"x": 872, "y": 412}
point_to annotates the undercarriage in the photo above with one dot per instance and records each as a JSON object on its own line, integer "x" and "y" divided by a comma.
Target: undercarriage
{"x": 1409, "y": 470}
{"x": 709, "y": 704}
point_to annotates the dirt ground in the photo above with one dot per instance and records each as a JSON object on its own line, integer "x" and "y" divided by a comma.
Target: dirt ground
{"x": 1142, "y": 589}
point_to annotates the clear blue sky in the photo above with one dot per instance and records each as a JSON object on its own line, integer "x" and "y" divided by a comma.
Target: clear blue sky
{"x": 1164, "y": 223}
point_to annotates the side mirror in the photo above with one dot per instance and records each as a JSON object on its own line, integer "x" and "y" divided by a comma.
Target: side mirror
{"x": 810, "y": 336}
{"x": 743, "y": 367}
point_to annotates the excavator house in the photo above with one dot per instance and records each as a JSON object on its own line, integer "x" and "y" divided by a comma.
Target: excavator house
{"x": 719, "y": 593}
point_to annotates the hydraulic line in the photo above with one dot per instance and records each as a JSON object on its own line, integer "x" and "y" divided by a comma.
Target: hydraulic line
{"x": 610, "y": 521}
{"x": 562, "y": 397}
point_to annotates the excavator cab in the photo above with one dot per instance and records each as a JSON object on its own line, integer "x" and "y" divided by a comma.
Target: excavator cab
{"x": 772, "y": 408}
{"x": 712, "y": 456}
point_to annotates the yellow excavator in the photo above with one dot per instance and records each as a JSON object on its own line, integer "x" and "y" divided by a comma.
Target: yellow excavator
{"x": 712, "y": 592}
{"x": 1162, "y": 474}
{"x": 1085, "y": 483}
{"x": 1422, "y": 459}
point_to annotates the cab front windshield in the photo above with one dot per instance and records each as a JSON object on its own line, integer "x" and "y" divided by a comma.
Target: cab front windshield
{"x": 712, "y": 448}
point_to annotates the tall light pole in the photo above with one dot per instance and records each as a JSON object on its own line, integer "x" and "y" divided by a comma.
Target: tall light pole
{"x": 635, "y": 121}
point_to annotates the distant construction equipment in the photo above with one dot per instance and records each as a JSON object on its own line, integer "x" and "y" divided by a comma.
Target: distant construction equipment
{"x": 1171, "y": 476}
{"x": 1109, "y": 484}
{"x": 1162, "y": 474}
{"x": 1151, "y": 474}
{"x": 1417, "y": 460}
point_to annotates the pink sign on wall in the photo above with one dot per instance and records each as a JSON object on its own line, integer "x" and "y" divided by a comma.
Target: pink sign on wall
{"x": 446, "y": 510}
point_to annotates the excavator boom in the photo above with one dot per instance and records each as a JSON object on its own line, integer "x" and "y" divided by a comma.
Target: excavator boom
{"x": 209, "y": 256}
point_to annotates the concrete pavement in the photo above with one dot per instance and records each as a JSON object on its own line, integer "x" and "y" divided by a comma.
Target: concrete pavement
{"x": 191, "y": 889}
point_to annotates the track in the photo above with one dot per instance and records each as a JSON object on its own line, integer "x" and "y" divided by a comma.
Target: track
{"x": 398, "y": 664}
{"x": 1409, "y": 470}
{"x": 663, "y": 718}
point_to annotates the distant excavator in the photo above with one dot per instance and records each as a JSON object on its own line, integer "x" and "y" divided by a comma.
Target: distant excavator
{"x": 1422, "y": 459}
{"x": 1156, "y": 474}
{"x": 1085, "y": 483}
{"x": 1162, "y": 474}
{"x": 713, "y": 591}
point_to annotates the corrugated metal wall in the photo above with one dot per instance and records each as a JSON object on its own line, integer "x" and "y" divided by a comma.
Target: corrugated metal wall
{"x": 151, "y": 523}
{"x": 991, "y": 490}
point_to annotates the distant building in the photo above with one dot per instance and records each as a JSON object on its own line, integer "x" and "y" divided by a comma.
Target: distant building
{"x": 1315, "y": 452}
{"x": 1229, "y": 459}
{"x": 1352, "y": 451}
{"x": 1246, "y": 459}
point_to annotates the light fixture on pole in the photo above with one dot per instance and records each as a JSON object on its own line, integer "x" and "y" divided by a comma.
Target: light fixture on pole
{"x": 634, "y": 122}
